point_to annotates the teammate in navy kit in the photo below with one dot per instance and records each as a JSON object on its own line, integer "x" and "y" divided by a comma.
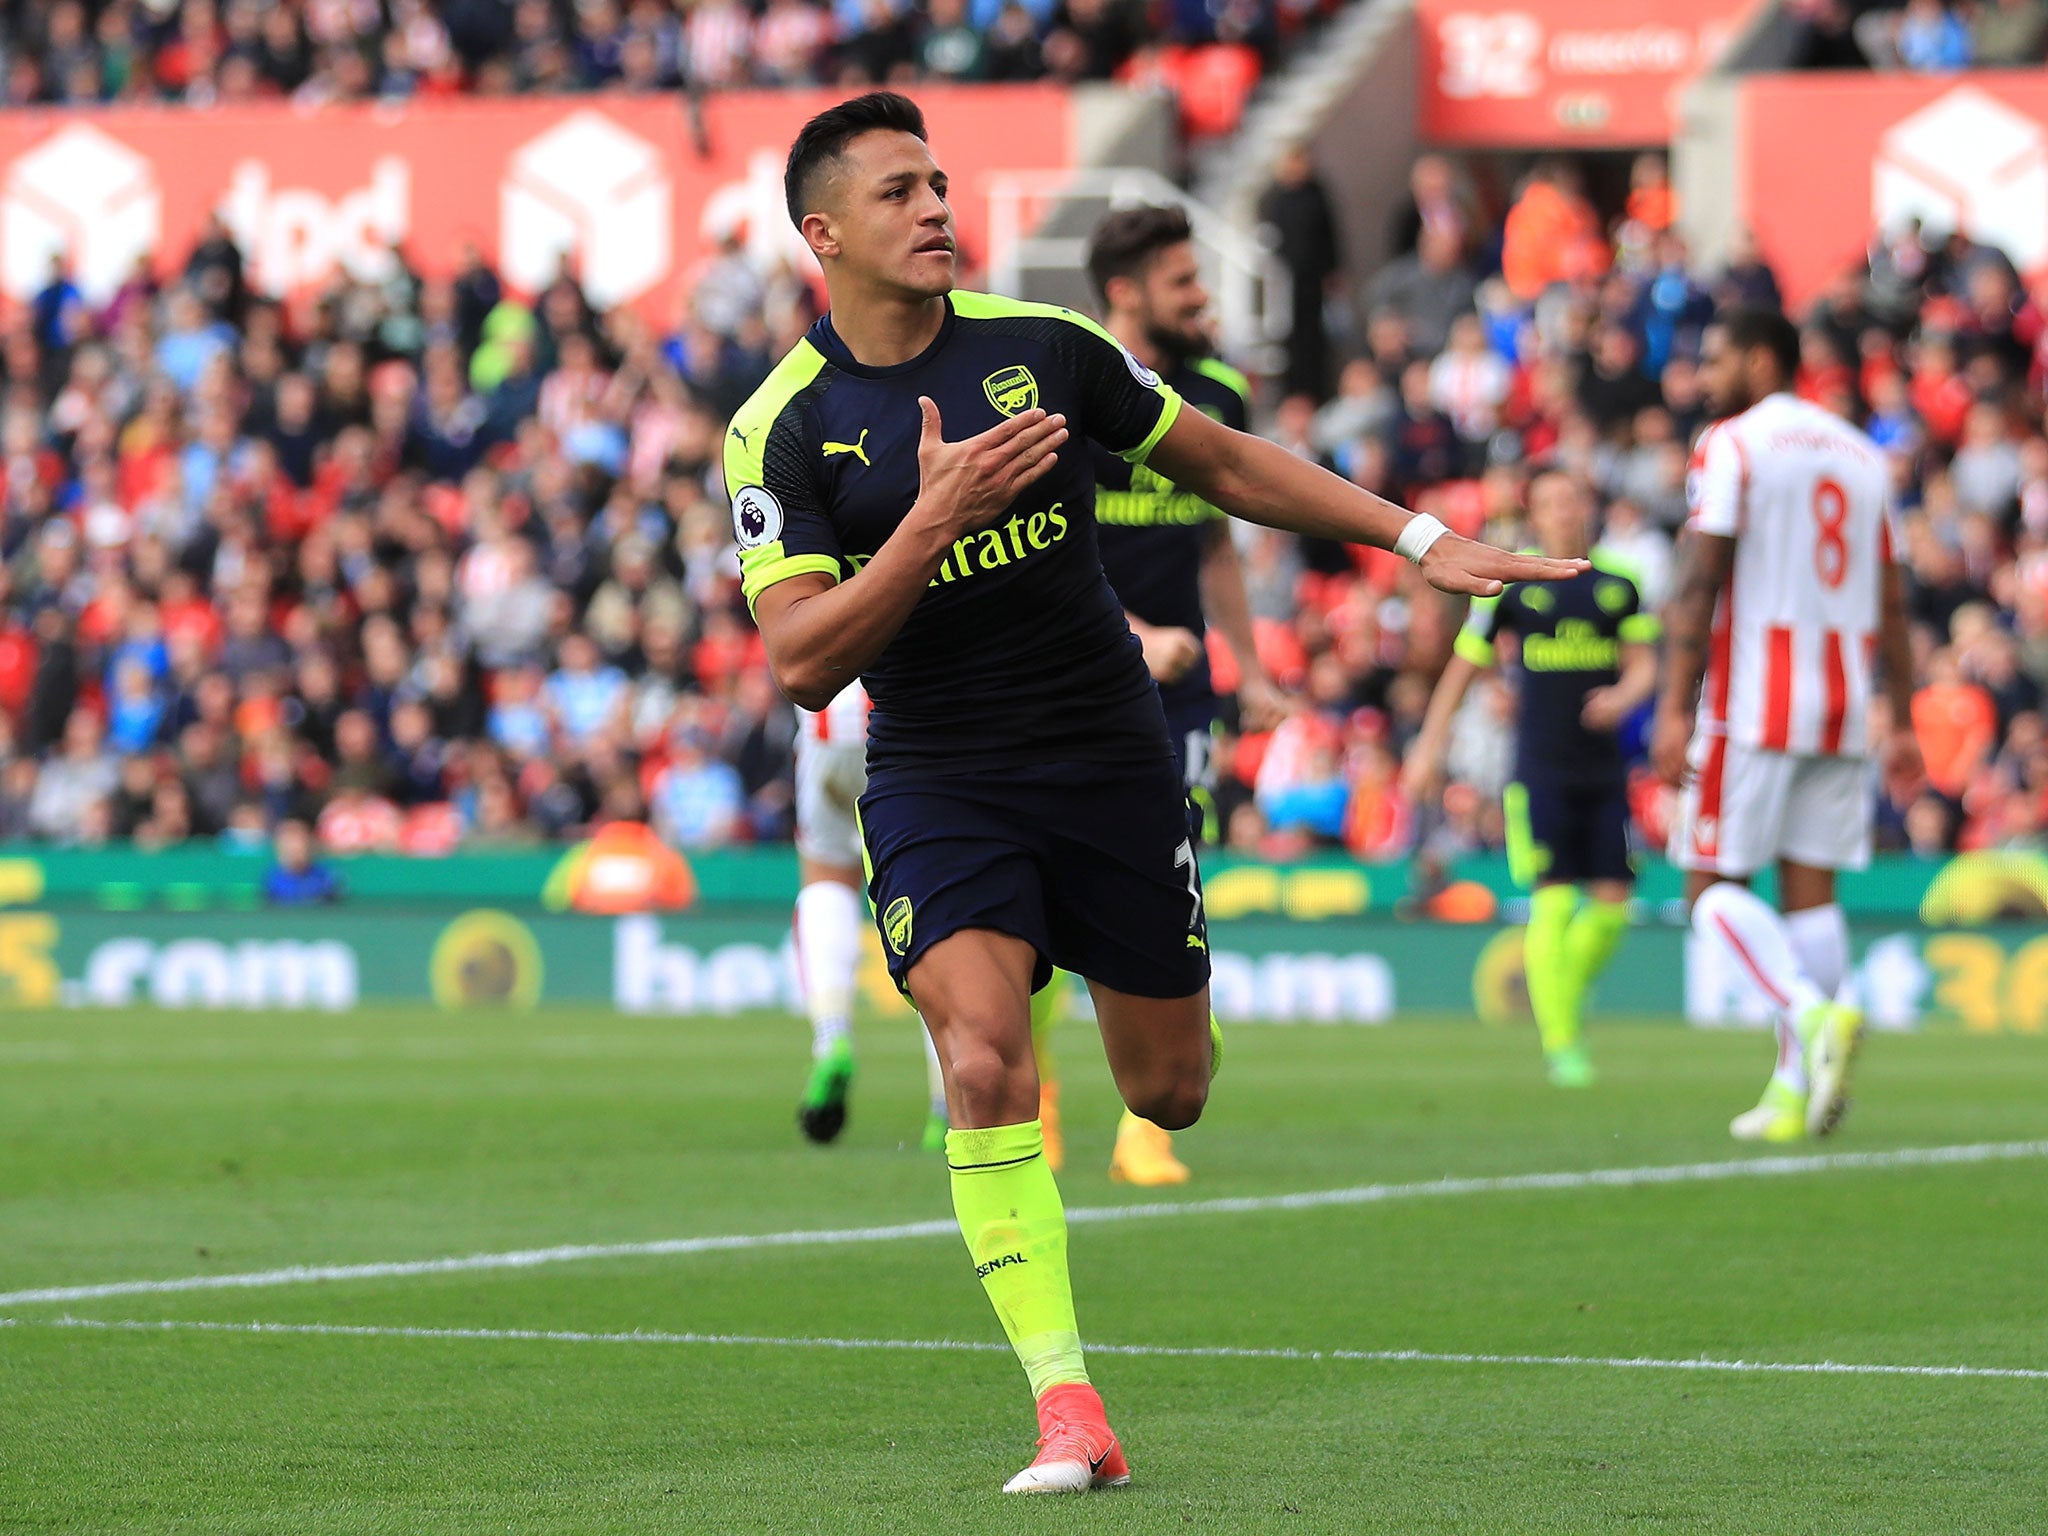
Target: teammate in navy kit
{"x": 1168, "y": 553}
{"x": 1170, "y": 559}
{"x": 910, "y": 511}
{"x": 1588, "y": 661}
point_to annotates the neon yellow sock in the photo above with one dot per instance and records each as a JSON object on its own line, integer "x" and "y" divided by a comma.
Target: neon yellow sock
{"x": 1016, "y": 1231}
{"x": 1547, "y": 965}
{"x": 1590, "y": 943}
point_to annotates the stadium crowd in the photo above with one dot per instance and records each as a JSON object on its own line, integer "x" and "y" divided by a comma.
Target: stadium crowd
{"x": 1552, "y": 337}
{"x": 1925, "y": 37}
{"x": 427, "y": 566}
{"x": 204, "y": 52}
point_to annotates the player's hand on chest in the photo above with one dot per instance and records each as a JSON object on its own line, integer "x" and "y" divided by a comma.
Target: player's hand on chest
{"x": 874, "y": 455}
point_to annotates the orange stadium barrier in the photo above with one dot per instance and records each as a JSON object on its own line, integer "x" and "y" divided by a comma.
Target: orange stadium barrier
{"x": 635, "y": 189}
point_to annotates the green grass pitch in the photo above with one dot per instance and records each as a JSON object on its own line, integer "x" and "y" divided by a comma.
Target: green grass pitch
{"x": 156, "y": 1146}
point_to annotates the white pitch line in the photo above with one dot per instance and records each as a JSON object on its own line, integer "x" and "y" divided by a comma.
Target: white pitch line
{"x": 969, "y": 1346}
{"x": 817, "y": 1237}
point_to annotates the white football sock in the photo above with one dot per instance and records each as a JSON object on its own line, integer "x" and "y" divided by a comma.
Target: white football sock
{"x": 934, "y": 1074}
{"x": 1820, "y": 938}
{"x": 1755, "y": 938}
{"x": 828, "y": 922}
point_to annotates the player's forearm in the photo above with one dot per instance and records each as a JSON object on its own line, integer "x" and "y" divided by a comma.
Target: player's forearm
{"x": 1703, "y": 563}
{"x": 1895, "y": 648}
{"x": 1450, "y": 692}
{"x": 1638, "y": 680}
{"x": 1225, "y": 604}
{"x": 821, "y": 641}
{"x": 1262, "y": 482}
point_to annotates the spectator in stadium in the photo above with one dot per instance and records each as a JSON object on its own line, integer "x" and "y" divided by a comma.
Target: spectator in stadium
{"x": 1362, "y": 407}
{"x": 1746, "y": 279}
{"x": 1298, "y": 209}
{"x": 1650, "y": 471}
{"x": 1985, "y": 473}
{"x": 583, "y": 698}
{"x": 80, "y": 777}
{"x": 1636, "y": 547}
{"x": 192, "y": 340}
{"x": 2008, "y": 34}
{"x": 1956, "y": 723}
{"x": 518, "y": 720}
{"x": 1612, "y": 387}
{"x": 58, "y": 308}
{"x": 1438, "y": 198}
{"x": 1300, "y": 788}
{"x": 1426, "y": 448}
{"x": 297, "y": 877}
{"x": 1428, "y": 289}
{"x": 1470, "y": 384}
{"x": 1673, "y": 308}
{"x": 1552, "y": 234}
{"x": 698, "y": 801}
{"x": 1929, "y": 39}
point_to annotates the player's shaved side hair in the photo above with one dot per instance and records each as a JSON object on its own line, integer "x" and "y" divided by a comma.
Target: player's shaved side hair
{"x": 825, "y": 137}
{"x": 1752, "y": 327}
{"x": 1125, "y": 242}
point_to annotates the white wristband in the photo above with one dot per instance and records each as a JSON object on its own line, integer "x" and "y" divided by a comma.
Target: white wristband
{"x": 1417, "y": 534}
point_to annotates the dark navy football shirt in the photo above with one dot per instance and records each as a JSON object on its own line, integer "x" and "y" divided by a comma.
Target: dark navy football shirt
{"x": 1019, "y": 653}
{"x": 1153, "y": 534}
{"x": 1571, "y": 634}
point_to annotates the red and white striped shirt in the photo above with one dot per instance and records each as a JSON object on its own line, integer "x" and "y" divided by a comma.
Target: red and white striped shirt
{"x": 1794, "y": 650}
{"x": 842, "y": 722}
{"x": 719, "y": 36}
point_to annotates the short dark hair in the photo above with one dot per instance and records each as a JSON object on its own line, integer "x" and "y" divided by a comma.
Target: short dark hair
{"x": 1753, "y": 326}
{"x": 825, "y": 137}
{"x": 1125, "y": 242}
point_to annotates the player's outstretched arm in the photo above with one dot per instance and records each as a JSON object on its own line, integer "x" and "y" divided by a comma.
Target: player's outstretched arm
{"x": 821, "y": 634}
{"x": 1262, "y": 482}
{"x": 1422, "y": 774}
{"x": 1704, "y": 563}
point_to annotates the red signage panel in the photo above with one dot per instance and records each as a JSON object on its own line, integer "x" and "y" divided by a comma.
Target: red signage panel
{"x": 1965, "y": 152}
{"x": 1555, "y": 73}
{"x": 625, "y": 186}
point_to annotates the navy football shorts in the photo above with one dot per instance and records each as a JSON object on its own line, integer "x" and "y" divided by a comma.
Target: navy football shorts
{"x": 1563, "y": 831}
{"x": 1089, "y": 863}
{"x": 1191, "y": 723}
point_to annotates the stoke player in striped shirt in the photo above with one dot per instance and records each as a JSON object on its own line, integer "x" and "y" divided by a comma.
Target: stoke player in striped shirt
{"x": 1789, "y": 605}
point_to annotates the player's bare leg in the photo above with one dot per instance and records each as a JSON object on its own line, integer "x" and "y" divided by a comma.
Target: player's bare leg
{"x": 1162, "y": 1052}
{"x": 830, "y": 916}
{"x": 974, "y": 990}
{"x": 1813, "y": 1030}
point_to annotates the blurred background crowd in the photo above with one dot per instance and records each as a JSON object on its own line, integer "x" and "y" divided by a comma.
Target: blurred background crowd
{"x": 205, "y": 52}
{"x": 427, "y": 565}
{"x": 1926, "y": 37}
{"x": 1556, "y": 334}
